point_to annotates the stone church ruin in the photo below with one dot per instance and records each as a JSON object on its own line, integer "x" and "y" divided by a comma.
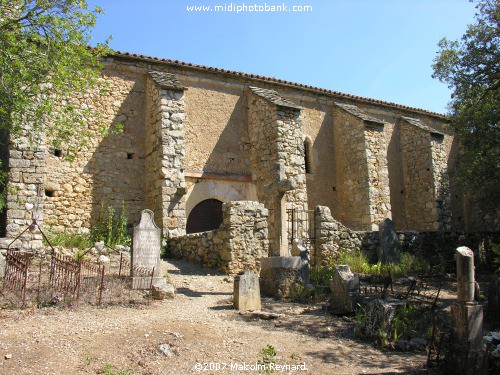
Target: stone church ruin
{"x": 237, "y": 167}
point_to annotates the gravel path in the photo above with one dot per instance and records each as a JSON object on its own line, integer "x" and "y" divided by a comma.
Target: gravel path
{"x": 199, "y": 326}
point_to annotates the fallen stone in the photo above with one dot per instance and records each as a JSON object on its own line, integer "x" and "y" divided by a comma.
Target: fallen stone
{"x": 166, "y": 350}
{"x": 162, "y": 290}
{"x": 8, "y": 356}
{"x": 263, "y": 315}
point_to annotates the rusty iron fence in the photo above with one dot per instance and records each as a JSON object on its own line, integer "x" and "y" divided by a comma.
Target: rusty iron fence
{"x": 55, "y": 279}
{"x": 300, "y": 225}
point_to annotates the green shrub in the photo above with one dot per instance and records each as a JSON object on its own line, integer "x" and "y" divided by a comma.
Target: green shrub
{"x": 111, "y": 226}
{"x": 268, "y": 357}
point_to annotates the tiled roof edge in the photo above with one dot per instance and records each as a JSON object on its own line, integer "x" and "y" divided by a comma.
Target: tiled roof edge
{"x": 274, "y": 80}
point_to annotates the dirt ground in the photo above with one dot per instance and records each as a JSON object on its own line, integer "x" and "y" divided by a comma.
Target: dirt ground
{"x": 203, "y": 331}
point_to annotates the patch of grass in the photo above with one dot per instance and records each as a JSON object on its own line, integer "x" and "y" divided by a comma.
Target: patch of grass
{"x": 407, "y": 264}
{"x": 68, "y": 240}
{"x": 109, "y": 369}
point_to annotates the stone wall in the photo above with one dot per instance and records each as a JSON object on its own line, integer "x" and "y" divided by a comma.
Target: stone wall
{"x": 277, "y": 155}
{"x": 434, "y": 246}
{"x": 4, "y": 167}
{"x": 238, "y": 244}
{"x": 107, "y": 168}
{"x": 217, "y": 111}
{"x": 330, "y": 237}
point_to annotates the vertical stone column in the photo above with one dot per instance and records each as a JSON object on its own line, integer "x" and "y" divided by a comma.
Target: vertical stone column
{"x": 165, "y": 181}
{"x": 441, "y": 181}
{"x": 426, "y": 189}
{"x": 25, "y": 190}
{"x": 362, "y": 172}
{"x": 465, "y": 356}
{"x": 277, "y": 153}
{"x": 325, "y": 248}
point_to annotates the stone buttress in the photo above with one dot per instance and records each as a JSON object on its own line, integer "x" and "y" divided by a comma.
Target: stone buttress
{"x": 165, "y": 181}
{"x": 426, "y": 189}
{"x": 278, "y": 167}
{"x": 25, "y": 190}
{"x": 362, "y": 169}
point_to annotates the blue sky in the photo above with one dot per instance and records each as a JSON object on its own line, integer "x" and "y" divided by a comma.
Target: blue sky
{"x": 382, "y": 49}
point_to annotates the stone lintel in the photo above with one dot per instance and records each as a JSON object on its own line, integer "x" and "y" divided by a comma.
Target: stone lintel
{"x": 167, "y": 81}
{"x": 369, "y": 121}
{"x": 218, "y": 176}
{"x": 274, "y": 97}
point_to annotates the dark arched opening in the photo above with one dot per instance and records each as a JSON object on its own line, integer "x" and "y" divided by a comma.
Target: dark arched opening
{"x": 206, "y": 215}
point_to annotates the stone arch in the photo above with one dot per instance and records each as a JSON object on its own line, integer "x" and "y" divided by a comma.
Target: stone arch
{"x": 205, "y": 216}
{"x": 223, "y": 191}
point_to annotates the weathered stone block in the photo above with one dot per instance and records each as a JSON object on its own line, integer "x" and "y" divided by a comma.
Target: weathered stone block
{"x": 247, "y": 291}
{"x": 344, "y": 289}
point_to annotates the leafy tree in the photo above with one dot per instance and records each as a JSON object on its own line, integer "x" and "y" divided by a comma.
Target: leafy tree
{"x": 44, "y": 62}
{"x": 471, "y": 68}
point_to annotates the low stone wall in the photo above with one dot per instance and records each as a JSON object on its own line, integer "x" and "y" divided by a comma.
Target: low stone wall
{"x": 238, "y": 244}
{"x": 332, "y": 236}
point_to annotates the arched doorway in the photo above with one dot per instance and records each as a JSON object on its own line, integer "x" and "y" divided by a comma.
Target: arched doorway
{"x": 206, "y": 215}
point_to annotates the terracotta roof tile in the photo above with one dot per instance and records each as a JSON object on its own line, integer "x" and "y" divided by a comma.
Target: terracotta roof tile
{"x": 271, "y": 79}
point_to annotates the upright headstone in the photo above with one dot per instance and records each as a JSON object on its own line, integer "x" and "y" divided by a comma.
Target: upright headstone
{"x": 2, "y": 265}
{"x": 344, "y": 286}
{"x": 389, "y": 246}
{"x": 146, "y": 244}
{"x": 465, "y": 356}
{"x": 247, "y": 291}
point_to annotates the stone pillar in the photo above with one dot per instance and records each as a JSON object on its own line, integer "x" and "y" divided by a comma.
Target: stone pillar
{"x": 426, "y": 187}
{"x": 325, "y": 227}
{"x": 362, "y": 172}
{"x": 25, "y": 191}
{"x": 465, "y": 356}
{"x": 165, "y": 181}
{"x": 277, "y": 153}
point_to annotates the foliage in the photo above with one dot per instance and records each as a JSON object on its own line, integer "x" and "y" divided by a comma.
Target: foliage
{"x": 495, "y": 248}
{"x": 45, "y": 63}
{"x": 109, "y": 369}
{"x": 303, "y": 294}
{"x": 111, "y": 226}
{"x": 409, "y": 321}
{"x": 69, "y": 240}
{"x": 471, "y": 68}
{"x": 268, "y": 357}
{"x": 407, "y": 264}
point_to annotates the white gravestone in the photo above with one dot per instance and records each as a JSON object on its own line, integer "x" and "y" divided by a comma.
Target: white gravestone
{"x": 146, "y": 244}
